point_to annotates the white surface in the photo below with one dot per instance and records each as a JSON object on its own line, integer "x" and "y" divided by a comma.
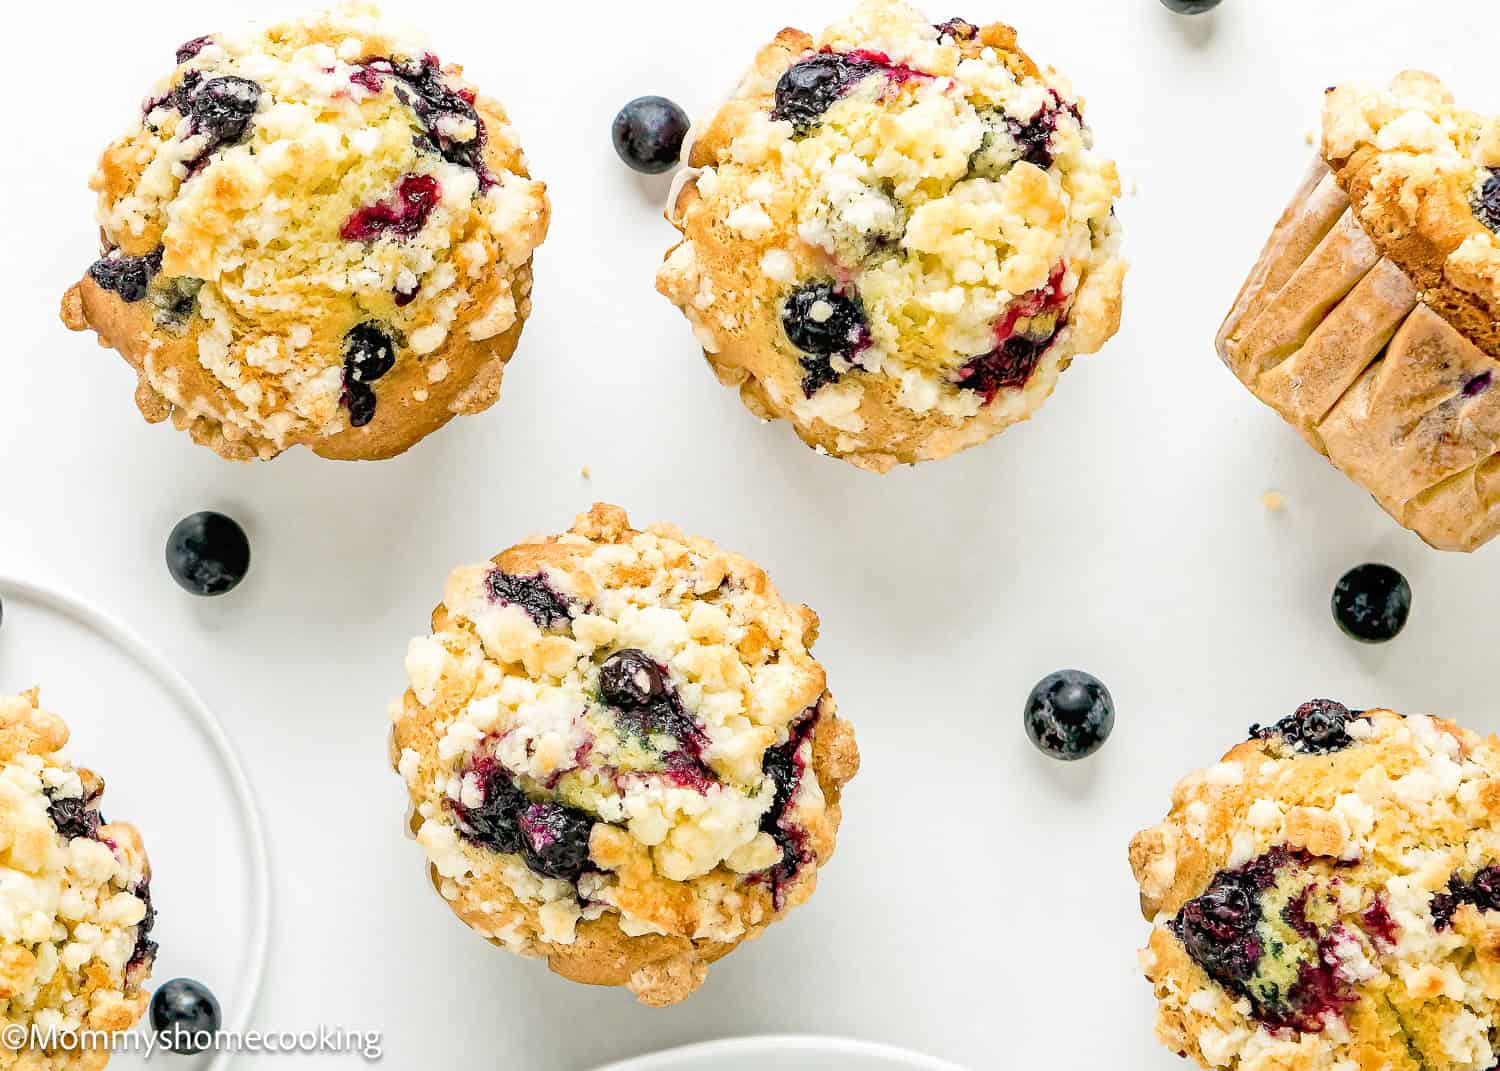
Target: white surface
{"x": 209, "y": 882}
{"x": 980, "y": 908}
{"x": 785, "y": 1054}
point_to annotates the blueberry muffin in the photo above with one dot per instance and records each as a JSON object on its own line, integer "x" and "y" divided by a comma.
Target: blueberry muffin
{"x": 896, "y": 236}
{"x": 75, "y": 899}
{"x": 1370, "y": 322}
{"x": 314, "y": 233}
{"x": 621, "y": 753}
{"x": 1327, "y": 898}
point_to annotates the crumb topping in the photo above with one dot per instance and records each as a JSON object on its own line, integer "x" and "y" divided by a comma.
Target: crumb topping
{"x": 1327, "y": 907}
{"x": 295, "y": 181}
{"x": 644, "y": 694}
{"x": 1425, "y": 178}
{"x": 75, "y": 906}
{"x": 940, "y": 182}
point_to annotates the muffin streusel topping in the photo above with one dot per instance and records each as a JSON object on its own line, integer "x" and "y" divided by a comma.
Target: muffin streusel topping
{"x": 1328, "y": 897}
{"x": 1424, "y": 175}
{"x": 75, "y": 905}
{"x": 912, "y": 220}
{"x": 623, "y": 726}
{"x": 315, "y": 202}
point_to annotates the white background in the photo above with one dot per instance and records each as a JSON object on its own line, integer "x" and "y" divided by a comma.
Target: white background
{"x": 980, "y": 907}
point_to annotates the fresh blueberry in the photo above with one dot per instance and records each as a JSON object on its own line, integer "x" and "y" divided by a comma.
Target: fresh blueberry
{"x": 1191, "y": 7}
{"x": 555, "y": 840}
{"x": 547, "y": 607}
{"x": 809, "y": 88}
{"x": 1069, "y": 715}
{"x": 183, "y": 1013}
{"x": 648, "y": 134}
{"x": 1372, "y": 603}
{"x": 631, "y": 678}
{"x": 1318, "y": 727}
{"x": 208, "y": 554}
{"x": 1487, "y": 202}
{"x": 127, "y": 277}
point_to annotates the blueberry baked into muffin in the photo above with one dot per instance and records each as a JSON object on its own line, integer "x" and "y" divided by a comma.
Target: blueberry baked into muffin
{"x": 896, "y": 236}
{"x": 314, "y": 233}
{"x": 1370, "y": 322}
{"x": 75, "y": 899}
{"x": 1327, "y": 898}
{"x": 621, "y": 754}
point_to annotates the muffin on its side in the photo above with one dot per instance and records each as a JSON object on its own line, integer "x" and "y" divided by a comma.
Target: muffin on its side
{"x": 1327, "y": 898}
{"x": 75, "y": 899}
{"x": 620, "y": 753}
{"x": 896, "y": 236}
{"x": 315, "y": 233}
{"x": 1370, "y": 321}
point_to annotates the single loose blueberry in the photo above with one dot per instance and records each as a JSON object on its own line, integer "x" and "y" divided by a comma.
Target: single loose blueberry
{"x": 184, "y": 1013}
{"x": 648, "y": 134}
{"x": 1372, "y": 603}
{"x": 1069, "y": 715}
{"x": 208, "y": 554}
{"x": 1190, "y": 7}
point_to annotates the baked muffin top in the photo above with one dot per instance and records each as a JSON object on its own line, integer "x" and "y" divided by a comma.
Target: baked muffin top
{"x": 75, "y": 901}
{"x": 1424, "y": 178}
{"x": 621, "y": 752}
{"x": 1328, "y": 897}
{"x": 896, "y": 235}
{"x": 303, "y": 209}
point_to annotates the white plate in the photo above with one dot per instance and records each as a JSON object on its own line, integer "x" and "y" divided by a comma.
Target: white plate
{"x": 790, "y": 1053}
{"x": 170, "y": 770}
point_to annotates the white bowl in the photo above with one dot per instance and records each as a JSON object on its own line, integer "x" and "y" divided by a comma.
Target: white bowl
{"x": 788, "y": 1053}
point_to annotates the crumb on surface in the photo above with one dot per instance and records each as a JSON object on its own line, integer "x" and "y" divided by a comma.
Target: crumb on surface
{"x": 1274, "y": 501}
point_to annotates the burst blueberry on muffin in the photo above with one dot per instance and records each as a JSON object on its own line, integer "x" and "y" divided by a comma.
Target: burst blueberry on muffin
{"x": 896, "y": 236}
{"x": 1327, "y": 898}
{"x": 75, "y": 899}
{"x": 621, "y": 753}
{"x": 1370, "y": 321}
{"x": 315, "y": 233}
